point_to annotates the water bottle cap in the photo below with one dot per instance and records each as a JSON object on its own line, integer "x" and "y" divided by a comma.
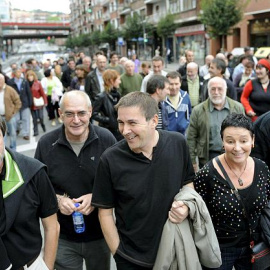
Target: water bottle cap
{"x": 76, "y": 204}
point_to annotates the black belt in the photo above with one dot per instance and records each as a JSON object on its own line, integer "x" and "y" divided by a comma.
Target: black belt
{"x": 29, "y": 263}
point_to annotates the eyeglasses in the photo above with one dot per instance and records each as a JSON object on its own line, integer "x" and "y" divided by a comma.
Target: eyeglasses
{"x": 80, "y": 114}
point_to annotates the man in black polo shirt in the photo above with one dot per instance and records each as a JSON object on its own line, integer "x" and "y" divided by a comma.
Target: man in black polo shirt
{"x": 71, "y": 154}
{"x": 26, "y": 195}
{"x": 139, "y": 177}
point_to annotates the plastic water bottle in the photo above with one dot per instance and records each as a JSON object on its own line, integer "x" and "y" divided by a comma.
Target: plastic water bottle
{"x": 78, "y": 220}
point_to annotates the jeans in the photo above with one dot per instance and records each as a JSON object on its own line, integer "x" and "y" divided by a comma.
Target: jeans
{"x": 239, "y": 258}
{"x": 37, "y": 114}
{"x": 70, "y": 255}
{"x": 11, "y": 129}
{"x": 123, "y": 264}
{"x": 24, "y": 116}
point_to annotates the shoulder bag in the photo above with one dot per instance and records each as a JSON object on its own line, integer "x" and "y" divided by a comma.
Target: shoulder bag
{"x": 39, "y": 102}
{"x": 260, "y": 252}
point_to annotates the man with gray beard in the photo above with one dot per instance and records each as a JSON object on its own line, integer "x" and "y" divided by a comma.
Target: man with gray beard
{"x": 205, "y": 122}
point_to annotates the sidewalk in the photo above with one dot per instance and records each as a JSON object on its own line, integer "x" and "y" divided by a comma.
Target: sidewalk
{"x": 171, "y": 67}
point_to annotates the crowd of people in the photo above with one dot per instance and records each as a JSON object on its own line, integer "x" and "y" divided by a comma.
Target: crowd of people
{"x": 135, "y": 147}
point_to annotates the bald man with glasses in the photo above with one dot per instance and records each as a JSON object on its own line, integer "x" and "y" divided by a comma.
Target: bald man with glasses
{"x": 71, "y": 154}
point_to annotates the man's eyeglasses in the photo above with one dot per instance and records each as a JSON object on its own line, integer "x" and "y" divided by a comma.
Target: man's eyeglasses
{"x": 80, "y": 114}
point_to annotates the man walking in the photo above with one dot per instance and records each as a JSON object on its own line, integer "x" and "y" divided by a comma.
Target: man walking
{"x": 205, "y": 122}
{"x": 71, "y": 154}
{"x": 132, "y": 180}
{"x": 23, "y": 116}
{"x": 10, "y": 104}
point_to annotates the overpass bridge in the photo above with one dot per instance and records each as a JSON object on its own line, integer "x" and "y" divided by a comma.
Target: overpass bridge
{"x": 33, "y": 30}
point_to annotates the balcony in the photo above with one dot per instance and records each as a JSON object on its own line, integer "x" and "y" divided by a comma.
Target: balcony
{"x": 106, "y": 16}
{"x": 104, "y": 2}
{"x": 155, "y": 18}
{"x": 151, "y": 1}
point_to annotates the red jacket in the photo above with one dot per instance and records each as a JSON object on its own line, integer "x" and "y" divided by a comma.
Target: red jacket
{"x": 37, "y": 92}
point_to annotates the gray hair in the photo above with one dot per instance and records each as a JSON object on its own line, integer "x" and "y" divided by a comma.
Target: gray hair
{"x": 74, "y": 94}
{"x": 215, "y": 79}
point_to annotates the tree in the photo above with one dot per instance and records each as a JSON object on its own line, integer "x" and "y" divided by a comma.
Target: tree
{"x": 219, "y": 16}
{"x": 135, "y": 27}
{"x": 109, "y": 35}
{"x": 166, "y": 27}
{"x": 96, "y": 37}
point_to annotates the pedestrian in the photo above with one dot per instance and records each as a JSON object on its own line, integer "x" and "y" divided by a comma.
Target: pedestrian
{"x": 235, "y": 188}
{"x": 53, "y": 88}
{"x": 38, "y": 96}
{"x": 26, "y": 197}
{"x": 133, "y": 182}
{"x": 23, "y": 116}
{"x": 10, "y": 104}
{"x": 103, "y": 107}
{"x": 71, "y": 154}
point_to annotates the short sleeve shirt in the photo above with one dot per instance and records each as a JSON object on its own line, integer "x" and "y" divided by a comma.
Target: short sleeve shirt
{"x": 142, "y": 191}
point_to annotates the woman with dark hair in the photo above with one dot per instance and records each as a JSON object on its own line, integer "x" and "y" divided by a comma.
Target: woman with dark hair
{"x": 53, "y": 88}
{"x": 103, "y": 107}
{"x": 78, "y": 81}
{"x": 256, "y": 93}
{"x": 37, "y": 93}
{"x": 235, "y": 221}
{"x": 242, "y": 78}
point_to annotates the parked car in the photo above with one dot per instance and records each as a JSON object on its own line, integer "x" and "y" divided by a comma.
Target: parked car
{"x": 262, "y": 52}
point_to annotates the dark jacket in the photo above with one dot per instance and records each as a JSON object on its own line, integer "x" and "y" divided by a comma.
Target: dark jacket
{"x": 104, "y": 111}
{"x": 22, "y": 226}
{"x": 231, "y": 92}
{"x": 262, "y": 138}
{"x": 182, "y": 70}
{"x": 184, "y": 84}
{"x": 164, "y": 113}
{"x": 24, "y": 93}
{"x": 74, "y": 175}
{"x": 92, "y": 87}
{"x": 67, "y": 76}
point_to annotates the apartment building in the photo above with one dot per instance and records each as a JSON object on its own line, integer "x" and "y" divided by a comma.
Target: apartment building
{"x": 254, "y": 29}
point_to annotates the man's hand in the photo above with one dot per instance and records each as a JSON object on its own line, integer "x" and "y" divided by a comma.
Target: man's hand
{"x": 85, "y": 208}
{"x": 179, "y": 211}
{"x": 66, "y": 205}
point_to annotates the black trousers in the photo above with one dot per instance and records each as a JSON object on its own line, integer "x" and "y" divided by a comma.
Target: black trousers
{"x": 123, "y": 264}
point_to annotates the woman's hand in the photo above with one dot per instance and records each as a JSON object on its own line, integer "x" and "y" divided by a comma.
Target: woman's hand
{"x": 251, "y": 113}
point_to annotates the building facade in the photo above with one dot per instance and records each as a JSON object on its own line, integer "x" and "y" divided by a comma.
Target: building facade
{"x": 254, "y": 29}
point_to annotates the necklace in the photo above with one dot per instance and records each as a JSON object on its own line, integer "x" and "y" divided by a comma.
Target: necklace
{"x": 240, "y": 181}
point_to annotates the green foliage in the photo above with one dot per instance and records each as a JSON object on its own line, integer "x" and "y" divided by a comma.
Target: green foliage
{"x": 53, "y": 19}
{"x": 109, "y": 35}
{"x": 134, "y": 27}
{"x": 166, "y": 26}
{"x": 219, "y": 16}
{"x": 96, "y": 37}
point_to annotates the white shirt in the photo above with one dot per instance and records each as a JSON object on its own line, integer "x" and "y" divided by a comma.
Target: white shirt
{"x": 100, "y": 80}
{"x": 147, "y": 77}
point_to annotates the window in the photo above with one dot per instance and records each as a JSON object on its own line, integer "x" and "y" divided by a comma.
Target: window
{"x": 187, "y": 4}
{"x": 174, "y": 6}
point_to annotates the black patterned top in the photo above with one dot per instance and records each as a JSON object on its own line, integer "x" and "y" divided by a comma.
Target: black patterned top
{"x": 231, "y": 226}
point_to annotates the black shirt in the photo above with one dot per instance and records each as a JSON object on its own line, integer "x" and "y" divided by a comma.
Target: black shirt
{"x": 226, "y": 211}
{"x": 142, "y": 191}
